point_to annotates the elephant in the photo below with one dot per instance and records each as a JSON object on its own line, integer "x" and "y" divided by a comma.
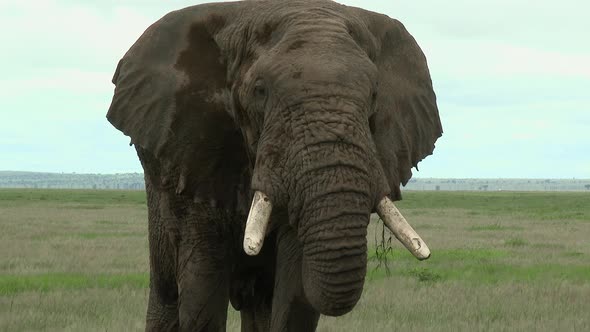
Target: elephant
{"x": 268, "y": 132}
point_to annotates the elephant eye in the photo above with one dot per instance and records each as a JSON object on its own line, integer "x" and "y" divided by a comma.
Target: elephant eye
{"x": 259, "y": 89}
{"x": 372, "y": 124}
{"x": 373, "y": 103}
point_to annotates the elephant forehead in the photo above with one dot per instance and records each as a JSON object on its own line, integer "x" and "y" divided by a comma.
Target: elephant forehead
{"x": 272, "y": 21}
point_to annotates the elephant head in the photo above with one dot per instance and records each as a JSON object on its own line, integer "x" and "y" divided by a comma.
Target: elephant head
{"x": 323, "y": 109}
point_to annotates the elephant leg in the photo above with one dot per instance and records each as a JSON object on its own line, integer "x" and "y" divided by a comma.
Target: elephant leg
{"x": 291, "y": 311}
{"x": 302, "y": 317}
{"x": 252, "y": 288}
{"x": 255, "y": 311}
{"x": 162, "y": 311}
{"x": 161, "y": 316}
{"x": 203, "y": 274}
{"x": 255, "y": 318}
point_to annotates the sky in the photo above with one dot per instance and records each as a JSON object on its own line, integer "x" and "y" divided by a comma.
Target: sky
{"x": 512, "y": 79}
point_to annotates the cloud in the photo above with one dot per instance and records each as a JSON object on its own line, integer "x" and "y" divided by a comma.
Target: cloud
{"x": 511, "y": 79}
{"x": 515, "y": 60}
{"x": 490, "y": 59}
{"x": 533, "y": 140}
{"x": 74, "y": 35}
{"x": 73, "y": 80}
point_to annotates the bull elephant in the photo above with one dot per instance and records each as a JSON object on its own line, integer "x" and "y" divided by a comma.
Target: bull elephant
{"x": 268, "y": 132}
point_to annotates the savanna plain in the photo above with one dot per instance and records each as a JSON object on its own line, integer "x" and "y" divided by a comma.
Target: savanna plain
{"x": 73, "y": 260}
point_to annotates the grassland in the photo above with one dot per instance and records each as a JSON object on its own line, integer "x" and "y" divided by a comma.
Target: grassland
{"x": 77, "y": 261}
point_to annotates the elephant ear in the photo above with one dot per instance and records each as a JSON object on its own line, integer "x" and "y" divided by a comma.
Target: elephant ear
{"x": 406, "y": 123}
{"x": 169, "y": 96}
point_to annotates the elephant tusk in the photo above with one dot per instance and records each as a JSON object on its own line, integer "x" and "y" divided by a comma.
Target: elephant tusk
{"x": 400, "y": 228}
{"x": 257, "y": 223}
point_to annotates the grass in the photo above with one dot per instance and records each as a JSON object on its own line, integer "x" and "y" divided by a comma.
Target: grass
{"x": 477, "y": 266}
{"x": 494, "y": 228}
{"x": 46, "y": 282}
{"x": 535, "y": 205}
{"x": 90, "y": 199}
{"x": 75, "y": 260}
{"x": 515, "y": 242}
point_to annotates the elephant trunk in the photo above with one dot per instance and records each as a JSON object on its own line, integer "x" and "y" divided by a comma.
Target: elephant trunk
{"x": 335, "y": 252}
{"x": 332, "y": 180}
{"x": 336, "y": 201}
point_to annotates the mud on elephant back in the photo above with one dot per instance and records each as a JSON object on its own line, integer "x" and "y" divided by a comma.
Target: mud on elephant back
{"x": 269, "y": 131}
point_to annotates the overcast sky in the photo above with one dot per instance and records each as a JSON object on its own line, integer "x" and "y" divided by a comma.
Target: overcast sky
{"x": 512, "y": 79}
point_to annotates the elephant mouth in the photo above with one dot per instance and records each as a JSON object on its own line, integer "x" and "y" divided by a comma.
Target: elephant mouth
{"x": 259, "y": 216}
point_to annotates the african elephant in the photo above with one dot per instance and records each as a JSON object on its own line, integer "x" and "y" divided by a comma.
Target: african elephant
{"x": 268, "y": 132}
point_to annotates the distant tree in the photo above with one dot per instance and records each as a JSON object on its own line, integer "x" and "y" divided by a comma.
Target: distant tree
{"x": 587, "y": 187}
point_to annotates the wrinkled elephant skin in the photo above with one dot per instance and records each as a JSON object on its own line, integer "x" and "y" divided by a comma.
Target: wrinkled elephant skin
{"x": 318, "y": 108}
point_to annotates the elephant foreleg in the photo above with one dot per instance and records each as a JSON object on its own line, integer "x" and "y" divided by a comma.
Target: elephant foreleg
{"x": 291, "y": 312}
{"x": 161, "y": 315}
{"x": 202, "y": 270}
{"x": 252, "y": 289}
{"x": 255, "y": 318}
{"x": 162, "y": 311}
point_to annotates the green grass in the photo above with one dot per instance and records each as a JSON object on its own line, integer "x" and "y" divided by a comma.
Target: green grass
{"x": 446, "y": 255}
{"x": 13, "y": 284}
{"x": 76, "y": 260}
{"x": 515, "y": 242}
{"x": 538, "y": 205}
{"x": 475, "y": 266}
{"x": 90, "y": 198}
{"x": 95, "y": 235}
{"x": 494, "y": 228}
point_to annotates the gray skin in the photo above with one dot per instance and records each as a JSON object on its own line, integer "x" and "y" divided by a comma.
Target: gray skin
{"x": 322, "y": 107}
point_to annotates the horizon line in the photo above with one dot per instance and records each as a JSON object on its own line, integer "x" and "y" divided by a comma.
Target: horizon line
{"x": 413, "y": 177}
